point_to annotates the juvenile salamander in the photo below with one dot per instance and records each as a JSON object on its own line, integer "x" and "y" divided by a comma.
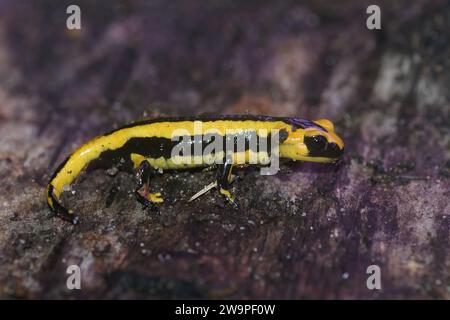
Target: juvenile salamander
{"x": 148, "y": 146}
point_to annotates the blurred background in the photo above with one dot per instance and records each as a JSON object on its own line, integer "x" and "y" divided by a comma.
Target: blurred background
{"x": 309, "y": 232}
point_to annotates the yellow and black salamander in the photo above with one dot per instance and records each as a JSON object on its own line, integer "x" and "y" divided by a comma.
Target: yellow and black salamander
{"x": 148, "y": 146}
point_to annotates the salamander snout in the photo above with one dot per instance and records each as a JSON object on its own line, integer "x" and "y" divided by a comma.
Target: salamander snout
{"x": 320, "y": 146}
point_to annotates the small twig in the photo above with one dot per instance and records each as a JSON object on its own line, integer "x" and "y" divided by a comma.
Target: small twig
{"x": 203, "y": 191}
{"x": 207, "y": 188}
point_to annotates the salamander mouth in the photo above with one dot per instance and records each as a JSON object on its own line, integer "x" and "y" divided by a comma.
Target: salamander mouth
{"x": 326, "y": 150}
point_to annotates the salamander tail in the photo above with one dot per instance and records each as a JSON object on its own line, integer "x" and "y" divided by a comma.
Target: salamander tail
{"x": 56, "y": 207}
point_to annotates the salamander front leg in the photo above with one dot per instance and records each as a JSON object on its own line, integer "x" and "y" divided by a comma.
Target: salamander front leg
{"x": 224, "y": 179}
{"x": 142, "y": 191}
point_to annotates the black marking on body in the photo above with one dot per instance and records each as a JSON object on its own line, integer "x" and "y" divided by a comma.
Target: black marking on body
{"x": 156, "y": 147}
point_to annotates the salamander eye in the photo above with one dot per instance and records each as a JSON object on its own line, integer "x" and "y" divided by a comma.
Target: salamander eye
{"x": 318, "y": 143}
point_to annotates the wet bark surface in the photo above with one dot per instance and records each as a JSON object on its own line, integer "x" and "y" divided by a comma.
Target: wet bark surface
{"x": 309, "y": 232}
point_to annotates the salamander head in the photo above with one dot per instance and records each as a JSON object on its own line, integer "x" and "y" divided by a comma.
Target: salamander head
{"x": 313, "y": 141}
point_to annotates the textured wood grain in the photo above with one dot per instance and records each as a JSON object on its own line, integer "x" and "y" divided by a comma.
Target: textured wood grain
{"x": 309, "y": 232}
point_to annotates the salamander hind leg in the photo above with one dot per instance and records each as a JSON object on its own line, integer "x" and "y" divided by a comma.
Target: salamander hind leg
{"x": 224, "y": 179}
{"x": 142, "y": 191}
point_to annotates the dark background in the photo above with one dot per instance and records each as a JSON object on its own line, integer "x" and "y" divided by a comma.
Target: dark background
{"x": 309, "y": 232}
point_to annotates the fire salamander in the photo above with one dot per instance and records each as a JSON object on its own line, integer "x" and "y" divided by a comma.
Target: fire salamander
{"x": 148, "y": 147}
